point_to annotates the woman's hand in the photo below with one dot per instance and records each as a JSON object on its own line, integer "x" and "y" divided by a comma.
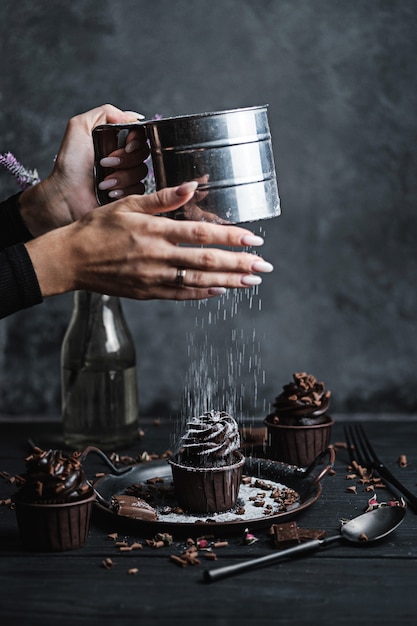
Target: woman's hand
{"x": 67, "y": 194}
{"x": 124, "y": 249}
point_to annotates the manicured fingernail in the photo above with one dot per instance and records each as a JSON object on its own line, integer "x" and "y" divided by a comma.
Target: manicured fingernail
{"x": 262, "y": 266}
{"x": 117, "y": 193}
{"x": 139, "y": 116}
{"x": 110, "y": 161}
{"x": 217, "y": 291}
{"x": 108, "y": 184}
{"x": 249, "y": 280}
{"x": 252, "y": 240}
{"x": 132, "y": 146}
{"x": 186, "y": 188}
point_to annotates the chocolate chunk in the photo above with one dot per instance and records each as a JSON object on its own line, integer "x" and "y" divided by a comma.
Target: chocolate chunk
{"x": 130, "y": 506}
{"x": 289, "y": 534}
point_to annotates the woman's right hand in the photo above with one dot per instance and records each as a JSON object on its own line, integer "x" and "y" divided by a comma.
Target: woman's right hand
{"x": 125, "y": 249}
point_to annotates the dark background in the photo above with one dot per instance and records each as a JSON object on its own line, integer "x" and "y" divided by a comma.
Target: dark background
{"x": 340, "y": 79}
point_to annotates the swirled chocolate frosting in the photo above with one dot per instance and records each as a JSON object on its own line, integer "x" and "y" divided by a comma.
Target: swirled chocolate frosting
{"x": 52, "y": 477}
{"x": 210, "y": 441}
{"x": 302, "y": 402}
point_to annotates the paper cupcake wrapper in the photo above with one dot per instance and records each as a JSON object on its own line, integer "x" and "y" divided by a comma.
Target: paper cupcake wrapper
{"x": 297, "y": 445}
{"x": 54, "y": 527}
{"x": 202, "y": 491}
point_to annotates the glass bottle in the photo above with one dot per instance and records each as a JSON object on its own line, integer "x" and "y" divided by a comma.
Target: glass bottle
{"x": 98, "y": 369}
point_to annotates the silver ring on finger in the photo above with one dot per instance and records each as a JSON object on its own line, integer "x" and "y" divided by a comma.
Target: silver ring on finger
{"x": 181, "y": 272}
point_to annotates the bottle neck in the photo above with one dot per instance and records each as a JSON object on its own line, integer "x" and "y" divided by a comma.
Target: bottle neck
{"x": 90, "y": 299}
{"x": 98, "y": 328}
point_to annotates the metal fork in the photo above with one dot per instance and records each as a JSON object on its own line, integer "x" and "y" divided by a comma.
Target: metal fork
{"x": 362, "y": 452}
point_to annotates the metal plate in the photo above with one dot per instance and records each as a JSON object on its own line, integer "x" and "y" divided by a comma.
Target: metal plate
{"x": 286, "y": 475}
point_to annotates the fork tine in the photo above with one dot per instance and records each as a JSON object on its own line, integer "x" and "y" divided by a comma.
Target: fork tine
{"x": 350, "y": 448}
{"x": 370, "y": 452}
{"x": 357, "y": 450}
{"x": 363, "y": 457}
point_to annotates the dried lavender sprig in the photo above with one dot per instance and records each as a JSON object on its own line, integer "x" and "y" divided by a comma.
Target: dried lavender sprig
{"x": 25, "y": 178}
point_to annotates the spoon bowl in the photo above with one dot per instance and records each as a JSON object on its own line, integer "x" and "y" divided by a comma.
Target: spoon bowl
{"x": 372, "y": 526}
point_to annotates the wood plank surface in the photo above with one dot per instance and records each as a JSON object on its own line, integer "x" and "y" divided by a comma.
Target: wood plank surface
{"x": 342, "y": 584}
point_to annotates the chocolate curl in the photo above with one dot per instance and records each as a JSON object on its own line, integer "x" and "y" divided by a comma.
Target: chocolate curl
{"x": 165, "y": 537}
{"x": 153, "y": 543}
{"x": 402, "y": 460}
{"x": 178, "y": 560}
{"x": 191, "y": 556}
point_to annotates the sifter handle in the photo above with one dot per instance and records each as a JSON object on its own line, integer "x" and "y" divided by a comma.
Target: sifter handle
{"x": 106, "y": 139}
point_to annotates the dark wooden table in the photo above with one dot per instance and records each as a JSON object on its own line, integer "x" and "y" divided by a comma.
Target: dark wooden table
{"x": 341, "y": 585}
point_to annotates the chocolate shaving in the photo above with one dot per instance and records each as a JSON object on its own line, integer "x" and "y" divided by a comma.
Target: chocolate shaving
{"x": 112, "y": 536}
{"x": 153, "y": 543}
{"x": 402, "y": 460}
{"x": 178, "y": 560}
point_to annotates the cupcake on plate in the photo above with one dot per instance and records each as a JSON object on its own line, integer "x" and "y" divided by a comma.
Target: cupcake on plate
{"x": 207, "y": 469}
{"x": 299, "y": 428}
{"x": 53, "y": 506}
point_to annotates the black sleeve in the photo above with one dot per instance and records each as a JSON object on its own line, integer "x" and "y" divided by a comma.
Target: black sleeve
{"x": 12, "y": 227}
{"x": 19, "y": 287}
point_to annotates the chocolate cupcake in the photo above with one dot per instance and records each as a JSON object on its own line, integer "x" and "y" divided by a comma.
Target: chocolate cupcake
{"x": 207, "y": 469}
{"x": 53, "y": 506}
{"x": 299, "y": 428}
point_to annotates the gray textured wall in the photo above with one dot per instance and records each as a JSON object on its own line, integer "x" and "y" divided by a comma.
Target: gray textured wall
{"x": 341, "y": 82}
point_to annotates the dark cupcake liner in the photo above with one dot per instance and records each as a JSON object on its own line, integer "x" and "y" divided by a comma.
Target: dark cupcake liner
{"x": 207, "y": 490}
{"x": 297, "y": 445}
{"x": 54, "y": 527}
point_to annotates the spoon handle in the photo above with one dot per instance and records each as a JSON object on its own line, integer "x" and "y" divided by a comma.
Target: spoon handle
{"x": 217, "y": 573}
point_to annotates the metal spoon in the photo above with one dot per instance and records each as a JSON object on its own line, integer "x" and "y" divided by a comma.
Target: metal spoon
{"x": 363, "y": 529}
